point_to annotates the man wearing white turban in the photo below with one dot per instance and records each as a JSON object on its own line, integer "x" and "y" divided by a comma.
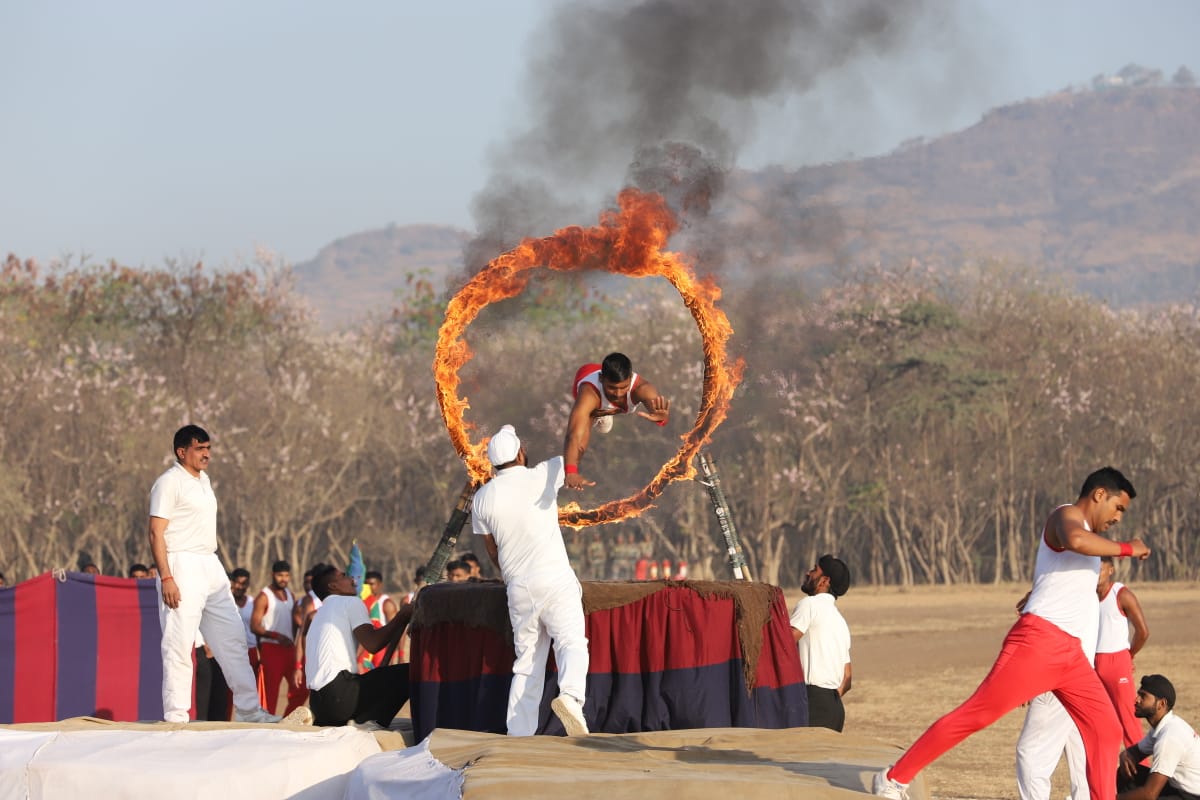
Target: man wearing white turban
{"x": 517, "y": 514}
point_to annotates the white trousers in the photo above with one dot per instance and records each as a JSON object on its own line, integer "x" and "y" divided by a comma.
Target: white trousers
{"x": 205, "y": 603}
{"x": 1048, "y": 730}
{"x": 542, "y": 611}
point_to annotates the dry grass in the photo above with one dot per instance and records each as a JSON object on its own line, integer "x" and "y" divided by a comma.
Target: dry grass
{"x": 919, "y": 652}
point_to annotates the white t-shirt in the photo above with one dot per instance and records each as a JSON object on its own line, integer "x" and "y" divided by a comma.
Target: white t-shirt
{"x": 1174, "y": 751}
{"x": 519, "y": 508}
{"x": 330, "y": 646}
{"x": 190, "y": 508}
{"x": 825, "y": 646}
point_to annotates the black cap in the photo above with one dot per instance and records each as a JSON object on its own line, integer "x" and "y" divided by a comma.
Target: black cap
{"x": 1160, "y": 687}
{"x": 838, "y": 573}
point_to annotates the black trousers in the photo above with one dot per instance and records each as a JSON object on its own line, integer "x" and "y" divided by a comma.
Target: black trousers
{"x": 375, "y": 696}
{"x": 825, "y": 709}
{"x": 1168, "y": 792}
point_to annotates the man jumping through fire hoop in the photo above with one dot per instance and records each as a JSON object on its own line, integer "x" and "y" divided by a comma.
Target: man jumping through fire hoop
{"x": 602, "y": 391}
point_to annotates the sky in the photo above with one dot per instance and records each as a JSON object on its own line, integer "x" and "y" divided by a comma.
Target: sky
{"x": 144, "y": 131}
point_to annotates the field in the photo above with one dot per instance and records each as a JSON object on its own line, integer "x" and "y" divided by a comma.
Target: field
{"x": 918, "y": 653}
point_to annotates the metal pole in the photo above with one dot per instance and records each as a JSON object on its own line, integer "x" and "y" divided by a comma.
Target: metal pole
{"x": 712, "y": 481}
{"x": 446, "y": 545}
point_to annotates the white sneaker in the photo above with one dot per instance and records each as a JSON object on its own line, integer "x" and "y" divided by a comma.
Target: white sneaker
{"x": 883, "y": 786}
{"x": 256, "y": 715}
{"x": 370, "y": 726}
{"x": 301, "y": 715}
{"x": 604, "y": 424}
{"x": 570, "y": 714}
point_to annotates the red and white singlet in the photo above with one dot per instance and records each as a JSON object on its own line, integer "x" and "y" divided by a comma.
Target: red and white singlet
{"x": 590, "y": 374}
{"x": 1064, "y": 592}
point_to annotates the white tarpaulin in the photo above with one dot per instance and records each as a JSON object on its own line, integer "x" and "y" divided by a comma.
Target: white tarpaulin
{"x": 212, "y": 764}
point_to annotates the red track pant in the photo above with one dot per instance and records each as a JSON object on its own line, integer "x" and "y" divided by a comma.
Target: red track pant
{"x": 279, "y": 664}
{"x": 1116, "y": 674}
{"x": 1037, "y": 657}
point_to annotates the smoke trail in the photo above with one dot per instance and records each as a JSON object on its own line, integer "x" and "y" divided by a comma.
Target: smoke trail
{"x": 663, "y": 93}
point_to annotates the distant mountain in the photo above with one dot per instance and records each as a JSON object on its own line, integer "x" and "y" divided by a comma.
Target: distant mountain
{"x": 363, "y": 272}
{"x": 1101, "y": 187}
{"x": 1098, "y": 186}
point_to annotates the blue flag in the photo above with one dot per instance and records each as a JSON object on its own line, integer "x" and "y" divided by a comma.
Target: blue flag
{"x": 357, "y": 569}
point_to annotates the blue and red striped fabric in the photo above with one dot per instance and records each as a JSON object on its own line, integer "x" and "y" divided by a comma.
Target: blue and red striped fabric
{"x": 84, "y": 645}
{"x": 670, "y": 660}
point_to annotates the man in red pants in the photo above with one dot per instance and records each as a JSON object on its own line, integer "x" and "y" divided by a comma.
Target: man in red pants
{"x": 1043, "y": 651}
{"x": 1119, "y": 608}
{"x": 272, "y": 622}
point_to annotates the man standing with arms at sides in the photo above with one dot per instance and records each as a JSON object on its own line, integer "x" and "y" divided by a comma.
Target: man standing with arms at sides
{"x": 272, "y": 623}
{"x": 1172, "y": 745}
{"x": 516, "y": 513}
{"x": 193, "y": 584}
{"x": 1042, "y": 651}
{"x": 824, "y": 641}
{"x": 601, "y": 391}
{"x": 1119, "y": 608}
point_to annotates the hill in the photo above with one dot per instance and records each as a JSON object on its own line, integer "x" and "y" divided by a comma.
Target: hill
{"x": 1100, "y": 187}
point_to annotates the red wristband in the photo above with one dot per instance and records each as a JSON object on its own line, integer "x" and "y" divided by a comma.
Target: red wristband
{"x": 571, "y": 469}
{"x": 661, "y": 423}
{"x": 299, "y": 665}
{"x": 1126, "y": 549}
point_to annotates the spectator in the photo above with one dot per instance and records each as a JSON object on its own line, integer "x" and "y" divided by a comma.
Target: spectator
{"x": 380, "y": 609}
{"x": 1172, "y": 745}
{"x": 418, "y": 582}
{"x": 824, "y": 641}
{"x": 139, "y": 571}
{"x": 272, "y": 623}
{"x": 457, "y": 572}
{"x": 327, "y": 646}
{"x": 3, "y": 580}
{"x": 473, "y": 567}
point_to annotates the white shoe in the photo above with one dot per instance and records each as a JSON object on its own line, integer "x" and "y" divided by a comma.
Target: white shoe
{"x": 604, "y": 424}
{"x": 301, "y": 715}
{"x": 883, "y": 786}
{"x": 370, "y": 726}
{"x": 256, "y": 715}
{"x": 570, "y": 714}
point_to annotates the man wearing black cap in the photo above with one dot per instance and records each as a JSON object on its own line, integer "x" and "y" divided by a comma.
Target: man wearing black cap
{"x": 824, "y": 641}
{"x": 1172, "y": 745}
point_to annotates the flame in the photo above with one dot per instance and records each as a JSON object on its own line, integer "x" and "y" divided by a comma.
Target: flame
{"x": 628, "y": 241}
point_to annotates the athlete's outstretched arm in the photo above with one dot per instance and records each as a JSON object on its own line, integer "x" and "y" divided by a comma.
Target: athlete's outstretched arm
{"x": 1068, "y": 529}
{"x": 579, "y": 431}
{"x": 658, "y": 408}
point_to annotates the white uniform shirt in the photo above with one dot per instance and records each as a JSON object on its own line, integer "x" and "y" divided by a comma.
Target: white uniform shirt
{"x": 825, "y": 646}
{"x": 1174, "y": 751}
{"x": 190, "y": 508}
{"x": 519, "y": 509}
{"x": 278, "y": 617}
{"x": 330, "y": 646}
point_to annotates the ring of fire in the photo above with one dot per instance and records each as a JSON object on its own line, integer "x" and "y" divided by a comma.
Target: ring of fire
{"x": 628, "y": 241}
